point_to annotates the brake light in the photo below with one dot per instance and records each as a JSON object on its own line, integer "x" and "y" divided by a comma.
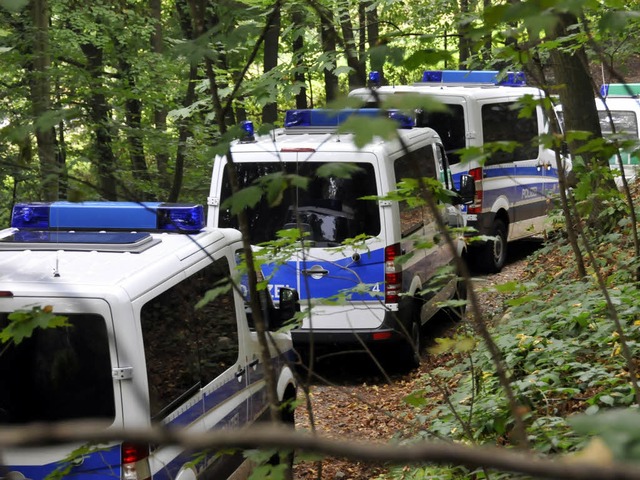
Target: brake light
{"x": 392, "y": 275}
{"x": 135, "y": 461}
{"x": 476, "y": 206}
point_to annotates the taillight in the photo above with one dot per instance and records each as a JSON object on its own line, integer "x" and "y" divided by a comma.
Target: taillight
{"x": 476, "y": 206}
{"x": 392, "y": 275}
{"x": 135, "y": 462}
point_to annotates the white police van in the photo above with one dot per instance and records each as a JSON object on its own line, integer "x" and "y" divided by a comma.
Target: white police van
{"x": 622, "y": 102}
{"x": 513, "y": 188}
{"x": 136, "y": 349}
{"x": 390, "y": 278}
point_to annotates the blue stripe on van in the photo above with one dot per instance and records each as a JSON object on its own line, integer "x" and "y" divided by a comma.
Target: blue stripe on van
{"x": 101, "y": 465}
{"x": 344, "y": 274}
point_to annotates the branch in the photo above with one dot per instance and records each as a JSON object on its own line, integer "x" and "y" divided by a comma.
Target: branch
{"x": 271, "y": 436}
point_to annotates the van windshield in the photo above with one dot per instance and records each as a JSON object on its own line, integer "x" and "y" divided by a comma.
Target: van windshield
{"x": 330, "y": 209}
{"x": 57, "y": 374}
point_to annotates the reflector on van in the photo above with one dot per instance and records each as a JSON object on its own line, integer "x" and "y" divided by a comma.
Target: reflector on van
{"x": 323, "y": 118}
{"x": 186, "y": 218}
{"x": 491, "y": 77}
{"x": 620, "y": 90}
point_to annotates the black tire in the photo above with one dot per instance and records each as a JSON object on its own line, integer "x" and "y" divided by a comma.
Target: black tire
{"x": 412, "y": 347}
{"x": 493, "y": 254}
{"x": 457, "y": 313}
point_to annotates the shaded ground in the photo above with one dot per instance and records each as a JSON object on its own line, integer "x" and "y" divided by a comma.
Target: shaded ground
{"x": 351, "y": 399}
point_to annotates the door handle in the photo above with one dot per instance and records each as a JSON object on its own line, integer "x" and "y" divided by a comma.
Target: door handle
{"x": 316, "y": 271}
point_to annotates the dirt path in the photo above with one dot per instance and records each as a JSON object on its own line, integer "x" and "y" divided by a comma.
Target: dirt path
{"x": 353, "y": 400}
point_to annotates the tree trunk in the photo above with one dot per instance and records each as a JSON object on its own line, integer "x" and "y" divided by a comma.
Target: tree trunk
{"x": 373, "y": 36}
{"x": 464, "y": 41}
{"x": 298, "y": 19}
{"x": 328, "y": 35}
{"x": 100, "y": 115}
{"x": 573, "y": 77}
{"x": 357, "y": 78}
{"x": 271, "y": 41}
{"x": 40, "y": 87}
{"x": 159, "y": 113}
{"x": 133, "y": 119}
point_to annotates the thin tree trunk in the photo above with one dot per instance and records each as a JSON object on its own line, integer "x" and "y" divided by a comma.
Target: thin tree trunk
{"x": 328, "y": 35}
{"x": 100, "y": 115}
{"x": 271, "y": 42}
{"x": 41, "y": 101}
{"x": 298, "y": 19}
{"x": 358, "y": 78}
{"x": 159, "y": 113}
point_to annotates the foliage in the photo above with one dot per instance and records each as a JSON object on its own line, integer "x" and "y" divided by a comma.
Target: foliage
{"x": 564, "y": 358}
{"x": 22, "y": 323}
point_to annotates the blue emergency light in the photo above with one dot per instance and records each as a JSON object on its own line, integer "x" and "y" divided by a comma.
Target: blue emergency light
{"x": 374, "y": 79}
{"x": 320, "y": 117}
{"x": 156, "y": 216}
{"x": 248, "y": 131}
{"x": 491, "y": 77}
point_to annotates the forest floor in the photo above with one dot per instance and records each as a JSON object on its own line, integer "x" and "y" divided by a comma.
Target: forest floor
{"x": 352, "y": 400}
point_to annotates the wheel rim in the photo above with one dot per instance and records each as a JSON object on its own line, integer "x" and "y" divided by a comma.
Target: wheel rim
{"x": 498, "y": 250}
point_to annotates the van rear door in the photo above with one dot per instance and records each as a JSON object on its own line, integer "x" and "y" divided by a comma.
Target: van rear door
{"x": 60, "y": 374}
{"x": 332, "y": 209}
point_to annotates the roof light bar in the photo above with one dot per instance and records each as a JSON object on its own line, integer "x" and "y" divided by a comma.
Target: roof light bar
{"x": 319, "y": 117}
{"x": 491, "y": 77}
{"x": 187, "y": 218}
{"x": 620, "y": 90}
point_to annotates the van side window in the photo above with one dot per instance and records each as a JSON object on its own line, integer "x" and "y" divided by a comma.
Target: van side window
{"x": 450, "y": 127}
{"x": 501, "y": 123}
{"x": 185, "y": 348}
{"x": 418, "y": 164}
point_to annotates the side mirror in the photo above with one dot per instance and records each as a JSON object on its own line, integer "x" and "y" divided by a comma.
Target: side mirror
{"x": 289, "y": 304}
{"x": 467, "y": 189}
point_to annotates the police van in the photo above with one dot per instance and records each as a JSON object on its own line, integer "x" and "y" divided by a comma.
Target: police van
{"x": 621, "y": 102}
{"x": 133, "y": 343}
{"x": 382, "y": 255}
{"x": 513, "y": 186}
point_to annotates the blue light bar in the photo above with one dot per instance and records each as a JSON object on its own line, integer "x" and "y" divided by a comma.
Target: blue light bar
{"x": 188, "y": 218}
{"x": 491, "y": 77}
{"x": 320, "y": 117}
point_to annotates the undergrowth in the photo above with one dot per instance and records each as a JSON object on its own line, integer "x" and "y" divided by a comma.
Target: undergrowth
{"x": 564, "y": 359}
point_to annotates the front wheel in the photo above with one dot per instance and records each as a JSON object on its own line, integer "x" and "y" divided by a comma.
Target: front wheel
{"x": 493, "y": 255}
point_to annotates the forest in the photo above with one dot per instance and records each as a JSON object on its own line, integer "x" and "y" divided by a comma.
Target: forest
{"x": 132, "y": 100}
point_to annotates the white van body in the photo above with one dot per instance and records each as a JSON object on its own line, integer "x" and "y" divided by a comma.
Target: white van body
{"x": 386, "y": 303}
{"x": 513, "y": 190}
{"x": 622, "y": 103}
{"x": 138, "y": 353}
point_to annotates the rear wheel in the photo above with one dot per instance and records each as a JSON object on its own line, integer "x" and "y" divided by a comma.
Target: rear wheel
{"x": 493, "y": 255}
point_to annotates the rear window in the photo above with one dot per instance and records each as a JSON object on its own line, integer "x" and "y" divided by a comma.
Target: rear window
{"x": 58, "y": 373}
{"x": 625, "y": 123}
{"x": 331, "y": 208}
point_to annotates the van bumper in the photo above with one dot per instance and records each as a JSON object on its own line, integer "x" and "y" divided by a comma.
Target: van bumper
{"x": 302, "y": 339}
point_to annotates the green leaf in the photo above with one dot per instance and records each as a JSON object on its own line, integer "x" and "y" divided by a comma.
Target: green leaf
{"x": 245, "y": 198}
{"x": 365, "y": 129}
